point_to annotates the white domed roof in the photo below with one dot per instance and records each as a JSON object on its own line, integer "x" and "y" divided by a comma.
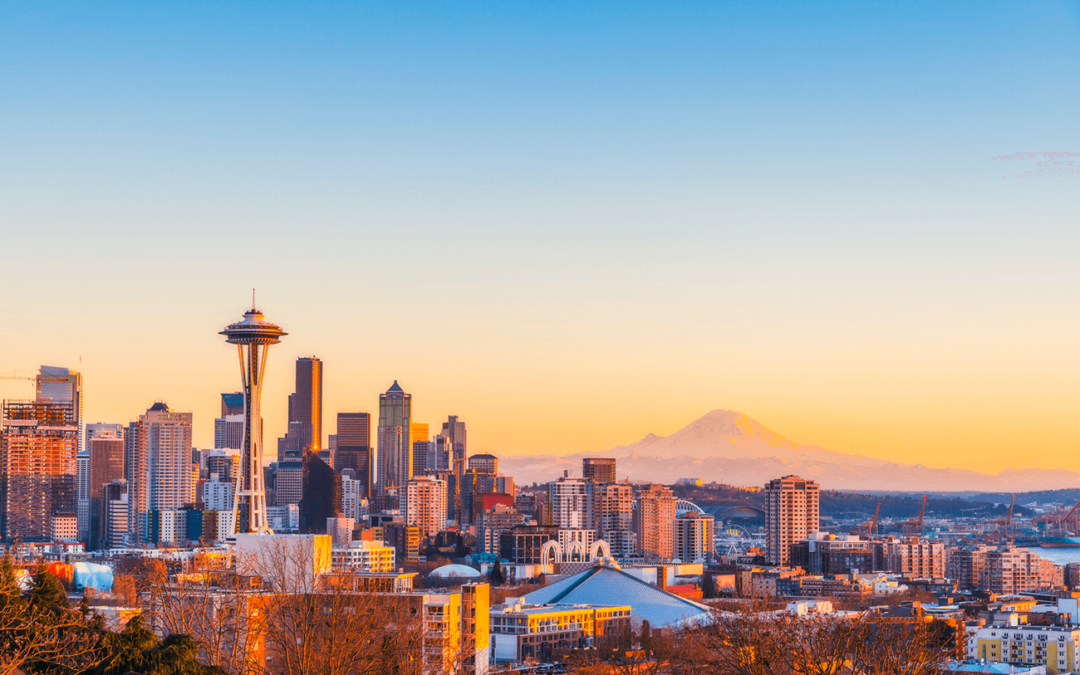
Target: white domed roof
{"x": 447, "y": 571}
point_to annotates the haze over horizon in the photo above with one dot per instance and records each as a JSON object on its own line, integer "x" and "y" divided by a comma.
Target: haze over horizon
{"x": 571, "y": 226}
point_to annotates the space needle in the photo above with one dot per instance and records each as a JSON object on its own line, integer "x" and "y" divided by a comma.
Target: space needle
{"x": 252, "y": 337}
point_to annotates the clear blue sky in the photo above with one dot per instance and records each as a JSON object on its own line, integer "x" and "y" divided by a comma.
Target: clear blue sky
{"x": 788, "y": 208}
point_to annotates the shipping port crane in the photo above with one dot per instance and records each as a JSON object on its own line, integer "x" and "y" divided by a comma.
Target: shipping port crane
{"x": 914, "y": 527}
{"x": 1001, "y": 528}
{"x": 869, "y": 528}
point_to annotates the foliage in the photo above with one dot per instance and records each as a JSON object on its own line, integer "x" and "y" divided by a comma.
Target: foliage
{"x": 496, "y": 575}
{"x": 137, "y": 649}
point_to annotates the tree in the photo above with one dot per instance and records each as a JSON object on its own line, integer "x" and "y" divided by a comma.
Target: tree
{"x": 496, "y": 575}
{"x": 708, "y": 585}
{"x": 39, "y": 632}
{"x": 137, "y": 649}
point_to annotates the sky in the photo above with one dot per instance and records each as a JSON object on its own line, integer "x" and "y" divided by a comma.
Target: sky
{"x": 571, "y": 224}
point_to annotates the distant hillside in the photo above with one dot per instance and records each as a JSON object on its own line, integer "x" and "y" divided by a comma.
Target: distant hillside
{"x": 849, "y": 505}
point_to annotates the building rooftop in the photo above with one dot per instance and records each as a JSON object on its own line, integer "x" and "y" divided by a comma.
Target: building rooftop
{"x": 608, "y": 586}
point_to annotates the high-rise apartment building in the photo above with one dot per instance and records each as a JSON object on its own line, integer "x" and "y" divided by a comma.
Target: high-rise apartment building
{"x": 571, "y": 503}
{"x": 394, "y": 458}
{"x": 425, "y": 504}
{"x": 655, "y": 520}
{"x": 105, "y": 464}
{"x": 791, "y": 515}
{"x": 225, "y": 463}
{"x": 598, "y": 469}
{"x": 38, "y": 448}
{"x": 613, "y": 517}
{"x": 913, "y": 557}
{"x": 158, "y": 466}
{"x": 692, "y": 537}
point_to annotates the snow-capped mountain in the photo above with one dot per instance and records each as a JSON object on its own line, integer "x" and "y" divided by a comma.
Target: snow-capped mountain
{"x": 729, "y": 447}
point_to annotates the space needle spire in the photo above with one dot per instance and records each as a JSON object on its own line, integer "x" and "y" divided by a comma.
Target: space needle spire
{"x": 252, "y": 337}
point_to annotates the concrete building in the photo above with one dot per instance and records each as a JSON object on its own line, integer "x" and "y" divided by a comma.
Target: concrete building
{"x": 537, "y": 632}
{"x": 105, "y": 464}
{"x": 791, "y": 514}
{"x": 289, "y": 482}
{"x": 217, "y": 493}
{"x": 915, "y": 557}
{"x": 570, "y": 501}
{"x": 38, "y": 450}
{"x": 114, "y": 515}
{"x": 158, "y": 466}
{"x": 453, "y": 429}
{"x": 655, "y": 523}
{"x": 364, "y": 556}
{"x": 613, "y": 517}
{"x": 354, "y": 448}
{"x": 1055, "y": 647}
{"x": 692, "y": 537}
{"x": 425, "y": 505}
{"x": 484, "y": 463}
{"x": 492, "y": 523}
{"x": 524, "y": 544}
{"x": 598, "y": 469}
{"x": 353, "y": 503}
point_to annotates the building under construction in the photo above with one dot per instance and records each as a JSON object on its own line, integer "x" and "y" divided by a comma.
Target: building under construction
{"x": 38, "y": 446}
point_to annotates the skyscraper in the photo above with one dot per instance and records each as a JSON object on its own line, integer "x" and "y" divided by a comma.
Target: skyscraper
{"x": 421, "y": 447}
{"x": 252, "y": 336}
{"x": 158, "y": 465}
{"x": 598, "y": 469}
{"x": 38, "y": 447}
{"x": 61, "y": 385}
{"x": 394, "y": 458}
{"x": 106, "y": 464}
{"x": 454, "y": 430}
{"x": 305, "y": 409}
{"x": 229, "y": 428}
{"x": 321, "y": 498}
{"x": 354, "y": 447}
{"x": 791, "y": 514}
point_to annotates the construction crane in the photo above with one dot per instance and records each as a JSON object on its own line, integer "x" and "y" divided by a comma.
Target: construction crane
{"x": 914, "y": 527}
{"x": 869, "y": 528}
{"x": 14, "y": 375}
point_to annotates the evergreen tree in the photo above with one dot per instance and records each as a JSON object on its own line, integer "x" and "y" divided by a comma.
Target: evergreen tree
{"x": 138, "y": 650}
{"x": 708, "y": 585}
{"x": 496, "y": 575}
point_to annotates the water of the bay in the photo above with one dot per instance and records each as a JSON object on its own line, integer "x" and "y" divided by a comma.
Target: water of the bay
{"x": 1058, "y": 556}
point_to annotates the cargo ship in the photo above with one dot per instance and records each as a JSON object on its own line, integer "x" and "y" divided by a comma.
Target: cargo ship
{"x": 1061, "y": 542}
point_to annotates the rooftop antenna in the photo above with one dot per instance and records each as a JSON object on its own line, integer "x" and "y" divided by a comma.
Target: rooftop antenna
{"x": 253, "y": 298}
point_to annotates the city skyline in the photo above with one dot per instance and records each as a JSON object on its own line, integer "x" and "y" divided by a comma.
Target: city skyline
{"x": 619, "y": 218}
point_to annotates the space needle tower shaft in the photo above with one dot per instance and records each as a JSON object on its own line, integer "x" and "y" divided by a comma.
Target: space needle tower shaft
{"x": 252, "y": 337}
